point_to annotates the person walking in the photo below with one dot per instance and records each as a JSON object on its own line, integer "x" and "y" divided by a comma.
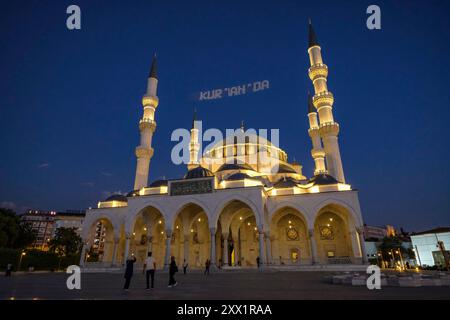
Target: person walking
{"x": 185, "y": 266}
{"x": 9, "y": 267}
{"x": 258, "y": 263}
{"x": 172, "y": 270}
{"x": 207, "y": 264}
{"x": 129, "y": 271}
{"x": 149, "y": 269}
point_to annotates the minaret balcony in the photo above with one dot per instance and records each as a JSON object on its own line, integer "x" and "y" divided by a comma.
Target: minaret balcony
{"x": 143, "y": 152}
{"x": 323, "y": 99}
{"x": 150, "y": 101}
{"x": 147, "y": 123}
{"x": 329, "y": 129}
{"x": 318, "y": 70}
{"x": 317, "y": 153}
{"x": 313, "y": 132}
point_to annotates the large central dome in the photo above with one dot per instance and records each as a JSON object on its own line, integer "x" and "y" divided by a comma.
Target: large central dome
{"x": 247, "y": 151}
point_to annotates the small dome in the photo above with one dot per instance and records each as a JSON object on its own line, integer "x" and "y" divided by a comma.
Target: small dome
{"x": 323, "y": 179}
{"x": 198, "y": 172}
{"x": 158, "y": 183}
{"x": 117, "y": 197}
{"x": 234, "y": 166}
{"x": 284, "y": 168}
{"x": 286, "y": 183}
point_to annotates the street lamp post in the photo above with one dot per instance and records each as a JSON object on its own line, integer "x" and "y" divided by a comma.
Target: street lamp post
{"x": 22, "y": 254}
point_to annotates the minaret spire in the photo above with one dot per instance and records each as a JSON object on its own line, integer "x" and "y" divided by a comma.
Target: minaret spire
{"x": 153, "y": 69}
{"x": 323, "y": 102}
{"x": 194, "y": 117}
{"x": 147, "y": 126}
{"x": 312, "y": 36}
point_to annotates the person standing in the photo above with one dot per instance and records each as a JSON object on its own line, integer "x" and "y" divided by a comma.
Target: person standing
{"x": 149, "y": 269}
{"x": 207, "y": 264}
{"x": 9, "y": 267}
{"x": 129, "y": 271}
{"x": 172, "y": 270}
{"x": 258, "y": 262}
{"x": 185, "y": 266}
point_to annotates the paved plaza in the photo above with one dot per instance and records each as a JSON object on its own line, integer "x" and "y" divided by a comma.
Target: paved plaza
{"x": 222, "y": 285}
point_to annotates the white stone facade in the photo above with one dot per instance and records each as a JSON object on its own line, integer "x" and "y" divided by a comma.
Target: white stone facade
{"x": 223, "y": 215}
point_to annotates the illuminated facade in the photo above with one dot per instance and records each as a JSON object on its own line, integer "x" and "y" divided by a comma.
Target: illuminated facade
{"x": 240, "y": 200}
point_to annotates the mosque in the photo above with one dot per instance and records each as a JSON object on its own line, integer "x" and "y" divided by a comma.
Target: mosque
{"x": 233, "y": 206}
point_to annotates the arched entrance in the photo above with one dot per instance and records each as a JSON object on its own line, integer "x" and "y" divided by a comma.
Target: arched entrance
{"x": 191, "y": 236}
{"x": 289, "y": 238}
{"x": 237, "y": 236}
{"x": 148, "y": 235}
{"x": 332, "y": 235}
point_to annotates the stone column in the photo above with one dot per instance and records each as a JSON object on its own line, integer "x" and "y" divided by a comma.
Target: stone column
{"x": 213, "y": 247}
{"x": 225, "y": 249}
{"x": 261, "y": 247}
{"x": 362, "y": 245}
{"x": 312, "y": 243}
{"x": 268, "y": 248}
{"x": 167, "y": 255}
{"x": 236, "y": 251}
{"x": 127, "y": 248}
{"x": 114, "y": 256}
{"x": 186, "y": 248}
{"x": 83, "y": 254}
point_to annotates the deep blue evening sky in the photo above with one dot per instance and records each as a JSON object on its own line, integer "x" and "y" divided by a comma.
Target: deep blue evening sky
{"x": 71, "y": 100}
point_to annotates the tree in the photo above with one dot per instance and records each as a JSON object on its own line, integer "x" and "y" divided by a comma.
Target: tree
{"x": 66, "y": 242}
{"x": 13, "y": 233}
{"x": 390, "y": 245}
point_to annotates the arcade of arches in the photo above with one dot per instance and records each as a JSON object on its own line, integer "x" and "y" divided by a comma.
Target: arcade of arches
{"x": 235, "y": 241}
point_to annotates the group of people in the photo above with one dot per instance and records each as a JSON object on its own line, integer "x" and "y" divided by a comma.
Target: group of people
{"x": 149, "y": 271}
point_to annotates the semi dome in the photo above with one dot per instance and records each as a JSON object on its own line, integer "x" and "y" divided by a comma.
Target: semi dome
{"x": 323, "y": 179}
{"x": 234, "y": 166}
{"x": 286, "y": 183}
{"x": 117, "y": 197}
{"x": 284, "y": 168}
{"x": 238, "y": 176}
{"x": 198, "y": 172}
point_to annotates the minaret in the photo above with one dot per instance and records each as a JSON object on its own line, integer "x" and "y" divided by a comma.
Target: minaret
{"x": 317, "y": 151}
{"x": 194, "y": 145}
{"x": 147, "y": 126}
{"x": 323, "y": 102}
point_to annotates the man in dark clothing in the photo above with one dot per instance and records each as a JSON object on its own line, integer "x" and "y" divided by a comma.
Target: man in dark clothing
{"x": 129, "y": 272}
{"x": 185, "y": 266}
{"x": 207, "y": 264}
{"x": 172, "y": 270}
{"x": 258, "y": 262}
